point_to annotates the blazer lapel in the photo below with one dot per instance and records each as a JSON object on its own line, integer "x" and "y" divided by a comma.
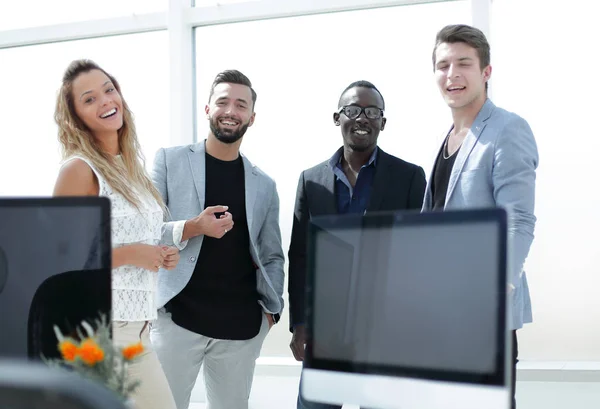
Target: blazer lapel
{"x": 381, "y": 182}
{"x": 197, "y": 160}
{"x": 327, "y": 180}
{"x": 468, "y": 145}
{"x": 251, "y": 184}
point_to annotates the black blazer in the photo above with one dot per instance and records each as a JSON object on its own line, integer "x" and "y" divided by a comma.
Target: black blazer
{"x": 398, "y": 185}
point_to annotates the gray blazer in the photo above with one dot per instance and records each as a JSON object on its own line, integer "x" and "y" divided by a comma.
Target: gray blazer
{"x": 179, "y": 176}
{"x": 495, "y": 167}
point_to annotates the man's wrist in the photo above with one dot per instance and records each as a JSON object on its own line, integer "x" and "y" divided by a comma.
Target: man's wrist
{"x": 191, "y": 228}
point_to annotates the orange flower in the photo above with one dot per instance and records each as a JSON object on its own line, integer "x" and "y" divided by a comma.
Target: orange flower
{"x": 90, "y": 352}
{"x": 68, "y": 350}
{"x": 133, "y": 350}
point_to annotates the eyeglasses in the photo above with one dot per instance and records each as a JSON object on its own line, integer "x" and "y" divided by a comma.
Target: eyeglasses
{"x": 354, "y": 111}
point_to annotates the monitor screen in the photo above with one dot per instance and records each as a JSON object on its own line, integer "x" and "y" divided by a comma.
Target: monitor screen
{"x": 55, "y": 259}
{"x": 417, "y": 295}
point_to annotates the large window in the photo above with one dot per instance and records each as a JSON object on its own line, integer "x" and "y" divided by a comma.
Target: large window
{"x": 300, "y": 66}
{"x": 542, "y": 52}
{"x": 210, "y": 3}
{"x": 541, "y": 73}
{"x": 32, "y": 13}
{"x": 31, "y": 77}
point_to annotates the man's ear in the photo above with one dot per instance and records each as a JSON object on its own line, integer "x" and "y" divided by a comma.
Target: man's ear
{"x": 207, "y": 110}
{"x": 487, "y": 73}
{"x": 383, "y": 121}
{"x": 336, "y": 118}
{"x": 251, "y": 122}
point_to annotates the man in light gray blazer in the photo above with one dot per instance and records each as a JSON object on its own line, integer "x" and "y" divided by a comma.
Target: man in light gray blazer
{"x": 488, "y": 159}
{"x": 217, "y": 306}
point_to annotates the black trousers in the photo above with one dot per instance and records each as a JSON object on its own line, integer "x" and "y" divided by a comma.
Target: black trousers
{"x": 515, "y": 359}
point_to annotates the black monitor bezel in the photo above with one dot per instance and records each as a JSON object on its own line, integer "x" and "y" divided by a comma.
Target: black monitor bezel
{"x": 389, "y": 219}
{"x": 103, "y": 203}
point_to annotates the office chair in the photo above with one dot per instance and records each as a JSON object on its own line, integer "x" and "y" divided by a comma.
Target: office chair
{"x": 31, "y": 385}
{"x": 65, "y": 300}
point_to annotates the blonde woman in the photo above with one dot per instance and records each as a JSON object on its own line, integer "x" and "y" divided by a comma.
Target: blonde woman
{"x": 102, "y": 157}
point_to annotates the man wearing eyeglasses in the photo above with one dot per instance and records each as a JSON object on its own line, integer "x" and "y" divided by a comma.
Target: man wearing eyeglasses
{"x": 359, "y": 177}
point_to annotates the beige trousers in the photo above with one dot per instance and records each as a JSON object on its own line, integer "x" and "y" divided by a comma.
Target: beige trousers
{"x": 154, "y": 391}
{"x": 228, "y": 365}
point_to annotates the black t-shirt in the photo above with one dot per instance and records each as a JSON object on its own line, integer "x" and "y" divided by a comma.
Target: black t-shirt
{"x": 221, "y": 300}
{"x": 441, "y": 177}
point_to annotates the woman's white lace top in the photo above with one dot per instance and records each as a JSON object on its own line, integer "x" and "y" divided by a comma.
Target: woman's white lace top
{"x": 133, "y": 288}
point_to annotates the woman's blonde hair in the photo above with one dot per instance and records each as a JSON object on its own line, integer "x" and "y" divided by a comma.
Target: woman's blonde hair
{"x": 77, "y": 139}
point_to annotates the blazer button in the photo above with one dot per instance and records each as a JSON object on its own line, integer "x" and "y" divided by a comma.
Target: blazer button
{"x": 192, "y": 259}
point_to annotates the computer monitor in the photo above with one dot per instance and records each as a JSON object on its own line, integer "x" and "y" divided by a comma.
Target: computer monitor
{"x": 408, "y": 311}
{"x": 55, "y": 269}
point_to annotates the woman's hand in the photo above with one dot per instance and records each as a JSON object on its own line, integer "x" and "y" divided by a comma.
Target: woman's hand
{"x": 171, "y": 257}
{"x": 146, "y": 256}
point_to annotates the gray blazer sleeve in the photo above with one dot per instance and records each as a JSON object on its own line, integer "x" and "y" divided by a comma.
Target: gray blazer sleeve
{"x": 515, "y": 163}
{"x": 270, "y": 247}
{"x": 159, "y": 178}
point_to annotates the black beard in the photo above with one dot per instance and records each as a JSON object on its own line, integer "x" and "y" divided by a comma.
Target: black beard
{"x": 227, "y": 136}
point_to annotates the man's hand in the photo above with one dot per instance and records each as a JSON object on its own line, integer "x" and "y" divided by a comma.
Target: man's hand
{"x": 208, "y": 223}
{"x": 298, "y": 342}
{"x": 270, "y": 319}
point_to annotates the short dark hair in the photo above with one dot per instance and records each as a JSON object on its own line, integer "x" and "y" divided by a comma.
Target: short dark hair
{"x": 462, "y": 33}
{"x": 364, "y": 84}
{"x": 232, "y": 77}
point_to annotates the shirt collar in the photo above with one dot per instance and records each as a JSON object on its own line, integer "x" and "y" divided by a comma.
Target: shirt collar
{"x": 336, "y": 159}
